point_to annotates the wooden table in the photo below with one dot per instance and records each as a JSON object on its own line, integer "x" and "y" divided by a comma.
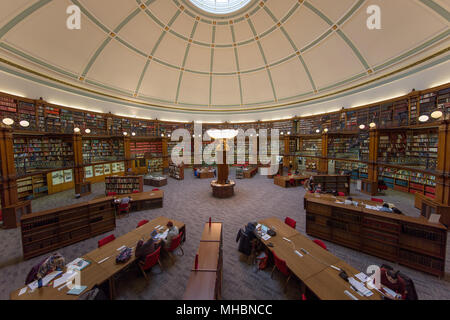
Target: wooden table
{"x": 144, "y": 200}
{"x": 96, "y": 273}
{"x": 155, "y": 181}
{"x": 315, "y": 264}
{"x": 284, "y": 181}
{"x": 205, "y": 174}
{"x": 205, "y": 282}
{"x": 250, "y": 172}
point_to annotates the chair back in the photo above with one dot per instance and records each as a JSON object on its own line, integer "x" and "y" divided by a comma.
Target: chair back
{"x": 141, "y": 223}
{"x": 341, "y": 194}
{"x": 111, "y": 194}
{"x": 281, "y": 265}
{"x": 290, "y": 222}
{"x": 135, "y": 191}
{"x": 106, "y": 240}
{"x": 175, "y": 242}
{"x": 377, "y": 200}
{"x": 156, "y": 189}
{"x": 152, "y": 259}
{"x": 320, "y": 243}
{"x": 124, "y": 206}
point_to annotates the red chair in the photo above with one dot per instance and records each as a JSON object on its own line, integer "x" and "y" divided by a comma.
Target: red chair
{"x": 141, "y": 223}
{"x": 109, "y": 194}
{"x": 290, "y": 222}
{"x": 124, "y": 208}
{"x": 151, "y": 260}
{"x": 377, "y": 200}
{"x": 320, "y": 243}
{"x": 106, "y": 240}
{"x": 135, "y": 191}
{"x": 156, "y": 189}
{"x": 292, "y": 182}
{"x": 281, "y": 265}
{"x": 175, "y": 244}
{"x": 304, "y": 297}
{"x": 341, "y": 194}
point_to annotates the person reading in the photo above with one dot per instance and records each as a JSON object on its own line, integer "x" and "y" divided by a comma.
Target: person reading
{"x": 393, "y": 281}
{"x": 172, "y": 233}
{"x": 144, "y": 249}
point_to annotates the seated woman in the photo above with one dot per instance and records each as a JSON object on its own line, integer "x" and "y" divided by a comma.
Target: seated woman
{"x": 393, "y": 281}
{"x": 173, "y": 232}
{"x": 144, "y": 249}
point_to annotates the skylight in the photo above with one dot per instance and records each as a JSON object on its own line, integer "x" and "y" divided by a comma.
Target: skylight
{"x": 220, "y": 6}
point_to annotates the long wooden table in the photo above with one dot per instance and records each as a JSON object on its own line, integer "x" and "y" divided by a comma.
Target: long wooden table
{"x": 205, "y": 174}
{"x": 312, "y": 269}
{"x": 97, "y": 273}
{"x": 283, "y": 181}
{"x": 250, "y": 172}
{"x": 205, "y": 282}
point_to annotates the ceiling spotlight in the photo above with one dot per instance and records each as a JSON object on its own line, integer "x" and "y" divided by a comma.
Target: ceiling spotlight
{"x": 325, "y": 130}
{"x": 24, "y": 123}
{"x": 372, "y": 125}
{"x": 8, "y": 121}
{"x": 424, "y": 118}
{"x": 76, "y": 130}
{"x": 437, "y": 114}
{"x": 125, "y": 133}
{"x": 87, "y": 131}
{"x": 133, "y": 134}
{"x": 362, "y": 127}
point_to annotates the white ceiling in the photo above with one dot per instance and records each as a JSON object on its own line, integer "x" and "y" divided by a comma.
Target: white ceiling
{"x": 169, "y": 55}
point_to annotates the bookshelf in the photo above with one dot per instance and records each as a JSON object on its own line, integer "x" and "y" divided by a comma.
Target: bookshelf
{"x": 339, "y": 183}
{"x": 311, "y": 146}
{"x": 34, "y": 153}
{"x": 49, "y": 230}
{"x": 413, "y": 242}
{"x": 408, "y": 180}
{"x": 103, "y": 150}
{"x": 124, "y": 185}
{"x": 176, "y": 172}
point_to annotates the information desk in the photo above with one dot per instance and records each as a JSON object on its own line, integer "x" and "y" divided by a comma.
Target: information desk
{"x": 155, "y": 181}
{"x": 101, "y": 270}
{"x": 144, "y": 200}
{"x": 249, "y": 172}
{"x": 205, "y": 282}
{"x": 284, "y": 181}
{"x": 413, "y": 242}
{"x": 314, "y": 267}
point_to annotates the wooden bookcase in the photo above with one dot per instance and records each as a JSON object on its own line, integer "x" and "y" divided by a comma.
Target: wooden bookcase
{"x": 333, "y": 183}
{"x": 176, "y": 172}
{"x": 124, "y": 185}
{"x": 49, "y": 230}
{"x": 413, "y": 242}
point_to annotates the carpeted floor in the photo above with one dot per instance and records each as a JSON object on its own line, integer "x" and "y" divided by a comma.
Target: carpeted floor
{"x": 191, "y": 201}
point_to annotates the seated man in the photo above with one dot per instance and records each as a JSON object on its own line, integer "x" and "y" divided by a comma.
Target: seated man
{"x": 318, "y": 188}
{"x": 393, "y": 281}
{"x": 173, "y": 232}
{"x": 125, "y": 200}
{"x": 385, "y": 208}
{"x": 144, "y": 249}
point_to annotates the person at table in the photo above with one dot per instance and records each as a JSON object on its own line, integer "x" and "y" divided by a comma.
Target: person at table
{"x": 385, "y": 208}
{"x": 144, "y": 249}
{"x": 393, "y": 281}
{"x": 318, "y": 188}
{"x": 172, "y": 233}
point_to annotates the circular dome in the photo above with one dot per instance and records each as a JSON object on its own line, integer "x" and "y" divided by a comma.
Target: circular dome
{"x": 220, "y": 6}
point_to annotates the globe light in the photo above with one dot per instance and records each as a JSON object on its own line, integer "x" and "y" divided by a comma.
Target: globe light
{"x": 76, "y": 130}
{"x": 125, "y": 133}
{"x": 24, "y": 123}
{"x": 325, "y": 130}
{"x": 8, "y": 121}
{"x": 372, "y": 125}
{"x": 362, "y": 127}
{"x": 318, "y": 131}
{"x": 133, "y": 134}
{"x": 437, "y": 114}
{"x": 424, "y": 118}
{"x": 87, "y": 131}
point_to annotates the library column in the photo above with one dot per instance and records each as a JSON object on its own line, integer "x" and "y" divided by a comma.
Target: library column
{"x": 127, "y": 153}
{"x": 8, "y": 178}
{"x": 443, "y": 165}
{"x": 77, "y": 142}
{"x": 323, "y": 161}
{"x": 370, "y": 185}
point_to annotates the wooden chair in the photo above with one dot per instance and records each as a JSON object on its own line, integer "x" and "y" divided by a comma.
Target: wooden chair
{"x": 341, "y": 194}
{"x": 135, "y": 191}
{"x": 290, "y": 222}
{"x": 175, "y": 244}
{"x": 106, "y": 240}
{"x": 124, "y": 208}
{"x": 320, "y": 243}
{"x": 156, "y": 189}
{"x": 150, "y": 261}
{"x": 141, "y": 223}
{"x": 280, "y": 264}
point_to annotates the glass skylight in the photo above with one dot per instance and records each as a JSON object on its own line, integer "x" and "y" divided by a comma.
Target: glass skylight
{"x": 220, "y": 6}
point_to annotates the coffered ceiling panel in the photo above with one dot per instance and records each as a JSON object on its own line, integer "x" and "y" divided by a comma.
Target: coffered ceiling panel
{"x": 170, "y": 54}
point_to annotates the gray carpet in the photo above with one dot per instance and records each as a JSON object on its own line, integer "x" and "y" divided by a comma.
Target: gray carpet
{"x": 191, "y": 201}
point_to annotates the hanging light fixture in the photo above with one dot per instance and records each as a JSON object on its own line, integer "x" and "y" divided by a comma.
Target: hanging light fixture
{"x": 362, "y": 127}
{"x": 76, "y": 130}
{"x": 8, "y": 121}
{"x": 424, "y": 118}
{"x": 436, "y": 114}
{"x": 87, "y": 131}
{"x": 24, "y": 123}
{"x": 372, "y": 125}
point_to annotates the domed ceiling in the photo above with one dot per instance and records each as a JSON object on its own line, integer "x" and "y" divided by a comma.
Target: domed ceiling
{"x": 172, "y": 54}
